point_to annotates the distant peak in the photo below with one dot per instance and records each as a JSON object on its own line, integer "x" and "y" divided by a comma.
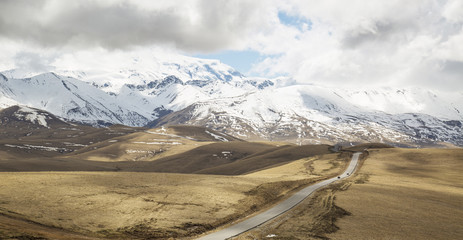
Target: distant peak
{"x": 3, "y": 77}
{"x": 48, "y": 75}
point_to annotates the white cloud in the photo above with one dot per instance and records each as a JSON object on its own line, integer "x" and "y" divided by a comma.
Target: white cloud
{"x": 384, "y": 43}
{"x": 453, "y": 11}
{"x": 452, "y": 49}
{"x": 352, "y": 43}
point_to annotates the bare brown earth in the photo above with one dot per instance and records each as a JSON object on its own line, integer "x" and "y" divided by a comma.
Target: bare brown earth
{"x": 397, "y": 194}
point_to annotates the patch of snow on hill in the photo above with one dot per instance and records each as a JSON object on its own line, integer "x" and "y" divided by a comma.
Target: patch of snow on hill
{"x": 31, "y": 115}
{"x": 217, "y": 137}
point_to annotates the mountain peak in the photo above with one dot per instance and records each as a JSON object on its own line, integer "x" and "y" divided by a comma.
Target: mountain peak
{"x": 136, "y": 90}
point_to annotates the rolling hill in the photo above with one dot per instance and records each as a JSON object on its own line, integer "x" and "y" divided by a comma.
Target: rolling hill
{"x": 35, "y": 140}
{"x": 396, "y": 194}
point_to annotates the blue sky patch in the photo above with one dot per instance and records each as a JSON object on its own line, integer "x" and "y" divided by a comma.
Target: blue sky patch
{"x": 294, "y": 21}
{"x": 239, "y": 60}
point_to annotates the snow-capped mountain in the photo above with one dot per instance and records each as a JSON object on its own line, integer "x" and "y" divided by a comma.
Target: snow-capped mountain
{"x": 112, "y": 71}
{"x": 68, "y": 98}
{"x": 311, "y": 114}
{"x": 133, "y": 94}
{"x": 147, "y": 90}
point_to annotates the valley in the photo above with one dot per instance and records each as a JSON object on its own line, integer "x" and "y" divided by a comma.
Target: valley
{"x": 237, "y": 120}
{"x": 65, "y": 180}
{"x": 137, "y": 200}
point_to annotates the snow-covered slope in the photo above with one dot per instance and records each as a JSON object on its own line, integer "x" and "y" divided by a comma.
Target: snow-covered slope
{"x": 313, "y": 114}
{"x": 133, "y": 92}
{"x": 148, "y": 89}
{"x": 110, "y": 71}
{"x": 68, "y": 98}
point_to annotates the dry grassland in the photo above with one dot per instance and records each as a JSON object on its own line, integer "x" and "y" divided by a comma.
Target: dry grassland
{"x": 410, "y": 194}
{"x": 109, "y": 202}
{"x": 146, "y": 205}
{"x": 318, "y": 166}
{"x": 142, "y": 146}
{"x": 398, "y": 194}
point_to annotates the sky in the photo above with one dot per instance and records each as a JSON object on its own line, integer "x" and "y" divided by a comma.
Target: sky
{"x": 241, "y": 60}
{"x": 354, "y": 43}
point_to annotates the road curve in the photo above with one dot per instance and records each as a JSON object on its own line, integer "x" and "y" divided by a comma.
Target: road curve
{"x": 280, "y": 208}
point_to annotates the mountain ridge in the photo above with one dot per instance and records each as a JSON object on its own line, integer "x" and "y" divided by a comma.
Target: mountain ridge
{"x": 250, "y": 108}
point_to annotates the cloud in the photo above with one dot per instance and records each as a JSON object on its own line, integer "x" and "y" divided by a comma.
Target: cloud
{"x": 187, "y": 25}
{"x": 453, "y": 11}
{"x": 341, "y": 43}
{"x": 375, "y": 43}
{"x": 32, "y": 61}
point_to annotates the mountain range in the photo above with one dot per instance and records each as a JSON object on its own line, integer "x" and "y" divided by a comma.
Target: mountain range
{"x": 158, "y": 90}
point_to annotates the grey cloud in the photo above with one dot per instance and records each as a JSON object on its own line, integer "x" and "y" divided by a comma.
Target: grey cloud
{"x": 31, "y": 61}
{"x": 451, "y": 76}
{"x": 125, "y": 25}
{"x": 453, "y": 67}
{"x": 443, "y": 75}
{"x": 385, "y": 32}
{"x": 358, "y": 37}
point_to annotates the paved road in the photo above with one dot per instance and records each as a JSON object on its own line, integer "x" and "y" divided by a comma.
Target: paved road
{"x": 279, "y": 209}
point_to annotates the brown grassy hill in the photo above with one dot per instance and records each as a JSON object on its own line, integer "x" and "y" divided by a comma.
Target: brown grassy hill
{"x": 22, "y": 136}
{"x": 228, "y": 158}
{"x": 410, "y": 194}
{"x": 15, "y": 117}
{"x": 63, "y": 146}
{"x": 396, "y": 194}
{"x": 127, "y": 205}
{"x": 267, "y": 158}
{"x": 231, "y": 158}
{"x": 204, "y": 157}
{"x": 40, "y": 164}
{"x": 363, "y": 146}
{"x": 202, "y": 133}
{"x": 151, "y": 144}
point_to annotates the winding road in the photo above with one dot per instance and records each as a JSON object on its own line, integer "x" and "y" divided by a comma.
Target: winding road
{"x": 280, "y": 208}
